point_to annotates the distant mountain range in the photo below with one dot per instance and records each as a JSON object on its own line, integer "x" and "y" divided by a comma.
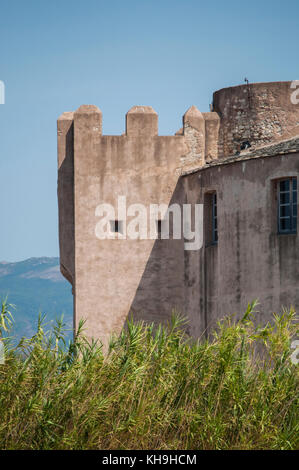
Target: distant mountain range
{"x": 35, "y": 285}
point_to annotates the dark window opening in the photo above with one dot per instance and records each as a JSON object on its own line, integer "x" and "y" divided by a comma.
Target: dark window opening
{"x": 211, "y": 218}
{"x": 214, "y": 218}
{"x": 159, "y": 228}
{"x": 116, "y": 226}
{"x": 245, "y": 145}
{"x": 287, "y": 205}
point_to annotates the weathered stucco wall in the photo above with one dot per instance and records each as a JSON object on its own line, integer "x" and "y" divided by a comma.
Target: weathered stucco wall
{"x": 251, "y": 260}
{"x": 96, "y": 169}
{"x": 138, "y": 165}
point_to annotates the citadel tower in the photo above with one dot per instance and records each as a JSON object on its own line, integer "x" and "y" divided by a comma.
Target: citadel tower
{"x": 241, "y": 160}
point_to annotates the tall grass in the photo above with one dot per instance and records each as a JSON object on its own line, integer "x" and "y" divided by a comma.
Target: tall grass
{"x": 153, "y": 390}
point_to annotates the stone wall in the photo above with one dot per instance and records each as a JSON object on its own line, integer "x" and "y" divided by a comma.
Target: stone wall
{"x": 259, "y": 113}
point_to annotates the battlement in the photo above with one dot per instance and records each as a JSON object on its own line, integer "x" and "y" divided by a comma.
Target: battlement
{"x": 198, "y": 135}
{"x": 141, "y": 121}
{"x": 244, "y": 115}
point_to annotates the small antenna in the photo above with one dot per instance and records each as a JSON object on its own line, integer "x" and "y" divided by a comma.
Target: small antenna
{"x": 248, "y": 91}
{"x": 247, "y": 144}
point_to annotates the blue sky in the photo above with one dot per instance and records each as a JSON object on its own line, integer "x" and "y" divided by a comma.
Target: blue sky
{"x": 55, "y": 56}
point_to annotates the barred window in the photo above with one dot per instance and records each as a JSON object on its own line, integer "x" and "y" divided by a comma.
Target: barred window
{"x": 211, "y": 218}
{"x": 214, "y": 218}
{"x": 287, "y": 205}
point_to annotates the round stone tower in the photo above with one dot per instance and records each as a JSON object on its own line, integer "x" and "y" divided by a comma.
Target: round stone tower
{"x": 256, "y": 114}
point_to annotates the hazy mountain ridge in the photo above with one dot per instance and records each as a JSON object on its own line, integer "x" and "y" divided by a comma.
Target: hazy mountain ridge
{"x": 42, "y": 268}
{"x": 35, "y": 285}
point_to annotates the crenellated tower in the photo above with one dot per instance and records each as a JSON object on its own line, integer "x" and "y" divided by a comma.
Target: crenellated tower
{"x": 150, "y": 277}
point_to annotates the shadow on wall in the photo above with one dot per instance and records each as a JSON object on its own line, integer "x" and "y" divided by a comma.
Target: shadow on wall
{"x": 170, "y": 280}
{"x": 66, "y": 205}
